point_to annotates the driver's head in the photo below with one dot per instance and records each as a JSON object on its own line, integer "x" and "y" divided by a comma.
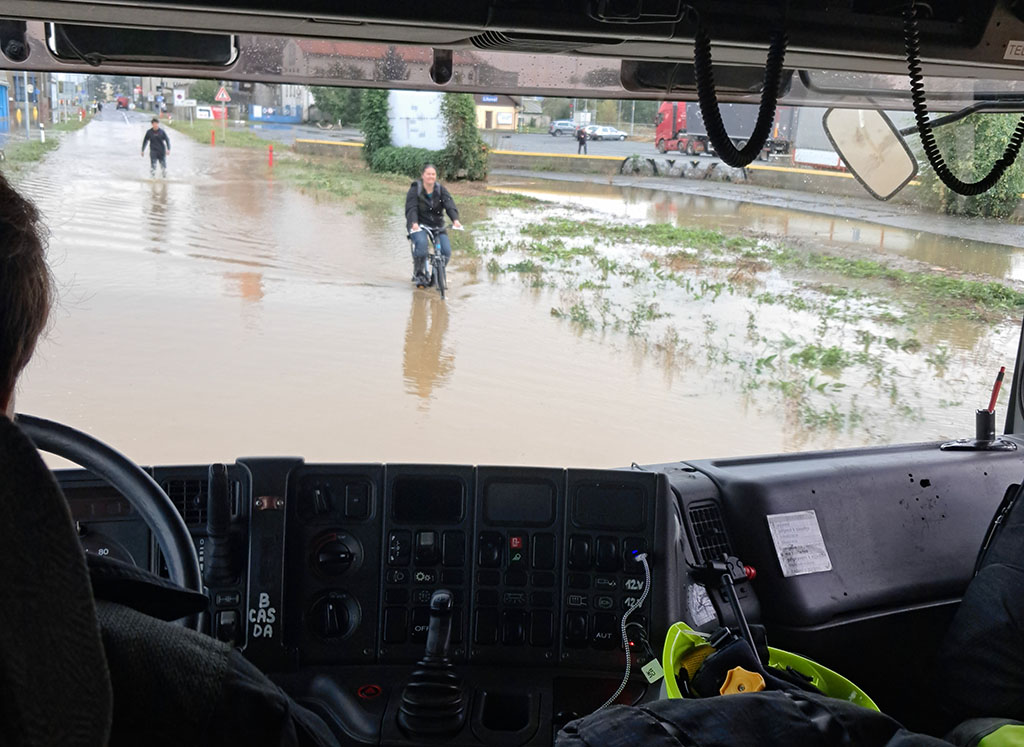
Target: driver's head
{"x": 26, "y": 288}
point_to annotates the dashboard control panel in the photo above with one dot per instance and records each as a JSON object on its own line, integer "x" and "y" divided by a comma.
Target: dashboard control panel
{"x": 541, "y": 562}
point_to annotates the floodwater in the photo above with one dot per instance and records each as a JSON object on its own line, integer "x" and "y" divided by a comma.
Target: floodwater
{"x": 219, "y": 312}
{"x": 732, "y": 217}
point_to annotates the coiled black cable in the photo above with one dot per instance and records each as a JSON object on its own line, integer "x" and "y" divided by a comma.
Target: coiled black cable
{"x": 924, "y": 127}
{"x": 708, "y": 99}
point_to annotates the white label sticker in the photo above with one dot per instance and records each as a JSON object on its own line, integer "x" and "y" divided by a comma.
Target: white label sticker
{"x": 652, "y": 671}
{"x": 702, "y": 611}
{"x": 798, "y": 543}
{"x": 1014, "y": 50}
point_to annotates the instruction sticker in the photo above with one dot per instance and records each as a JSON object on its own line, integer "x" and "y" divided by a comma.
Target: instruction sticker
{"x": 699, "y": 605}
{"x": 798, "y": 543}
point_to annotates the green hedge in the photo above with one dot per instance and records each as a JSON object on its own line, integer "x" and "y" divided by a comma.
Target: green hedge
{"x": 408, "y": 161}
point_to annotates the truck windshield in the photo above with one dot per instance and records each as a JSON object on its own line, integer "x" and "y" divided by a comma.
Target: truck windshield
{"x": 245, "y": 285}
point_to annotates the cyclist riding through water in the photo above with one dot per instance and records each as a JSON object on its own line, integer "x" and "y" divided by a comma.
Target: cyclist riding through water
{"x": 425, "y": 204}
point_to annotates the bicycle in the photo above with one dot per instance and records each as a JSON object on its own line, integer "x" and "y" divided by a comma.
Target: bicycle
{"x": 435, "y": 259}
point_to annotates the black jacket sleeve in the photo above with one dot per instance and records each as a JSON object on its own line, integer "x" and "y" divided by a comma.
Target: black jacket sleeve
{"x": 449, "y": 204}
{"x": 145, "y": 139}
{"x": 412, "y": 207}
{"x": 167, "y": 140}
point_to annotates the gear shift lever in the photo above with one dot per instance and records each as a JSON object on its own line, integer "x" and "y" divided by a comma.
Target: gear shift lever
{"x": 434, "y": 701}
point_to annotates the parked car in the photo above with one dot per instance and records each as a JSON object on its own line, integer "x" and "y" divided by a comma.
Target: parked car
{"x": 599, "y": 132}
{"x": 562, "y": 127}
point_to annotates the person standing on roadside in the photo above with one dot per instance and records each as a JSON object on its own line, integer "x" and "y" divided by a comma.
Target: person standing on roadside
{"x": 159, "y": 147}
{"x": 581, "y": 140}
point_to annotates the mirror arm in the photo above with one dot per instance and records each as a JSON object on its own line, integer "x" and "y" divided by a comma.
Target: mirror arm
{"x": 991, "y": 107}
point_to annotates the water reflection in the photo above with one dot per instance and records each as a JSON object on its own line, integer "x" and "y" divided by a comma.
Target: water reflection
{"x": 427, "y": 363}
{"x": 246, "y": 285}
{"x": 156, "y": 214}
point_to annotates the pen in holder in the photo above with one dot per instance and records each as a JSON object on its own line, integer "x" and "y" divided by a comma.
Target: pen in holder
{"x": 985, "y": 438}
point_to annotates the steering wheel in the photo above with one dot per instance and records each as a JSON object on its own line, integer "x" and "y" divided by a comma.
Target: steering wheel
{"x": 141, "y": 491}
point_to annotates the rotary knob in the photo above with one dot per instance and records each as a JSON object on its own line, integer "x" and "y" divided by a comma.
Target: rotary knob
{"x": 335, "y": 553}
{"x": 333, "y": 615}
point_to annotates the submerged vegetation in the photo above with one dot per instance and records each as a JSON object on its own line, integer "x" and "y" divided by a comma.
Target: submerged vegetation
{"x": 836, "y": 341}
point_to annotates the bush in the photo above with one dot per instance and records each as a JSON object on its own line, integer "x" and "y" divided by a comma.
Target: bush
{"x": 407, "y": 161}
{"x": 373, "y": 121}
{"x": 970, "y": 148}
{"x": 339, "y": 104}
{"x": 465, "y": 156}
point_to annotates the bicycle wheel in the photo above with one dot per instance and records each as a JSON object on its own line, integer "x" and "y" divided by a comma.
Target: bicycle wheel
{"x": 439, "y": 274}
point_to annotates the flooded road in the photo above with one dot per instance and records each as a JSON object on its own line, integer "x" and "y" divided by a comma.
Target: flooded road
{"x": 221, "y": 312}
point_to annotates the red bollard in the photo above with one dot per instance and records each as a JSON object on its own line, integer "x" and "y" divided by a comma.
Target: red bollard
{"x": 270, "y": 157}
{"x": 213, "y": 137}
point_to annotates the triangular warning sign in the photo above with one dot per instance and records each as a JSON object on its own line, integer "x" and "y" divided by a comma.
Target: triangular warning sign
{"x": 222, "y": 95}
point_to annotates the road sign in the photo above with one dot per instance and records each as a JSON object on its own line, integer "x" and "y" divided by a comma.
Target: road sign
{"x": 179, "y": 96}
{"x": 222, "y": 95}
{"x": 489, "y": 99}
{"x": 189, "y": 102}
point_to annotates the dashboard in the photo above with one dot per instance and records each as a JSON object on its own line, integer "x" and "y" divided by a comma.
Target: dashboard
{"x": 327, "y": 571}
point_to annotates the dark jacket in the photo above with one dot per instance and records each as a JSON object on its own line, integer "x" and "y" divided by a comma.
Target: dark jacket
{"x": 159, "y": 144}
{"x": 581, "y": 135}
{"x": 176, "y": 686}
{"x": 429, "y": 209}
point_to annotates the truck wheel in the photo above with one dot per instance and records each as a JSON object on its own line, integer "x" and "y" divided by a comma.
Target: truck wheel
{"x": 661, "y": 146}
{"x": 690, "y": 150}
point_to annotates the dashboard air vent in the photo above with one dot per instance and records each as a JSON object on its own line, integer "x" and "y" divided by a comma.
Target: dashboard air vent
{"x": 190, "y": 497}
{"x": 708, "y": 531}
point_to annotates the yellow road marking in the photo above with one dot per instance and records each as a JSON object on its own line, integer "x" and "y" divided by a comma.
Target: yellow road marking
{"x": 555, "y": 155}
{"x": 329, "y": 142}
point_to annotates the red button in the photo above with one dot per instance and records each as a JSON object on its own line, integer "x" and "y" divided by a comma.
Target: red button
{"x": 368, "y": 692}
{"x": 516, "y": 543}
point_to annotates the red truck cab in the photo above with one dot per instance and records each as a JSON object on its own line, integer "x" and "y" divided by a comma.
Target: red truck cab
{"x": 670, "y": 130}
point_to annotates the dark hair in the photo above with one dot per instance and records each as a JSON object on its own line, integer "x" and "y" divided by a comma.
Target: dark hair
{"x": 428, "y": 166}
{"x": 26, "y": 286}
{"x": 154, "y": 119}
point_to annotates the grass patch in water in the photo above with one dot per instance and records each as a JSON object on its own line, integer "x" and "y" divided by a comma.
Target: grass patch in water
{"x": 227, "y": 137}
{"x": 943, "y": 290}
{"x": 19, "y": 154}
{"x": 657, "y": 234}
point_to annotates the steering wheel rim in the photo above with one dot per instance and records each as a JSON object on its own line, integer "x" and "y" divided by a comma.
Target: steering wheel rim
{"x": 140, "y": 490}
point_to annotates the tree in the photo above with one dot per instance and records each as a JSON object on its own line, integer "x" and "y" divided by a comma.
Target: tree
{"x": 465, "y": 156}
{"x": 608, "y": 112}
{"x": 341, "y": 104}
{"x": 373, "y": 121}
{"x": 392, "y": 67}
{"x": 203, "y": 91}
{"x": 556, "y": 108}
{"x": 970, "y": 147}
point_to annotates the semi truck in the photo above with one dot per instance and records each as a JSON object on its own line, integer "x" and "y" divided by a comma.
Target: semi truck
{"x": 680, "y": 126}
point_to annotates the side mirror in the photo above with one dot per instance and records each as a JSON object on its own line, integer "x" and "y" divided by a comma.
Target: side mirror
{"x": 872, "y": 149}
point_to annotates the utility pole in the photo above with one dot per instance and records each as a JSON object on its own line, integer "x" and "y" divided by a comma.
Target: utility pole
{"x": 24, "y": 87}
{"x": 632, "y": 117}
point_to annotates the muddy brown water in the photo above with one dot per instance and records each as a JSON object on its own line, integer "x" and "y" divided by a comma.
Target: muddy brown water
{"x": 220, "y": 312}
